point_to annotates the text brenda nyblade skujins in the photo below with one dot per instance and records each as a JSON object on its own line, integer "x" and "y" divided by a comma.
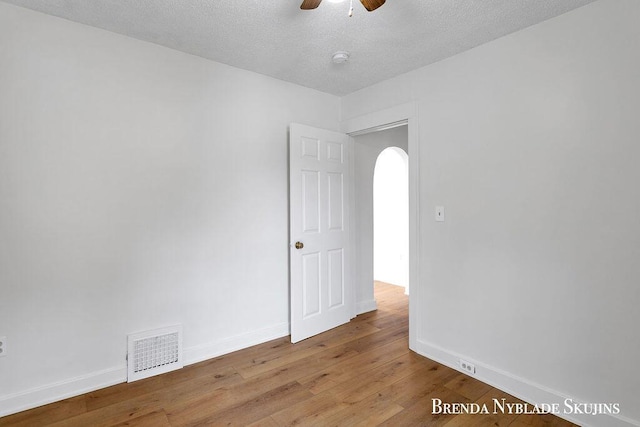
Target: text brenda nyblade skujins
{"x": 501, "y": 406}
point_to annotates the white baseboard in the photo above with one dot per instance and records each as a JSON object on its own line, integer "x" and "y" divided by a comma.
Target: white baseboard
{"x": 210, "y": 350}
{"x": 366, "y": 306}
{"x": 520, "y": 387}
{"x": 50, "y": 393}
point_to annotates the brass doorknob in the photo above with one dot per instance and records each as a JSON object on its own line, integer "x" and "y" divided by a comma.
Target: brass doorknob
{"x": 299, "y": 245}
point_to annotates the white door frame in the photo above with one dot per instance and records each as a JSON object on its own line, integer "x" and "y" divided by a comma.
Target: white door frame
{"x": 384, "y": 119}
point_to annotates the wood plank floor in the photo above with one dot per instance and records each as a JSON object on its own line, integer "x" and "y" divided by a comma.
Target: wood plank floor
{"x": 360, "y": 374}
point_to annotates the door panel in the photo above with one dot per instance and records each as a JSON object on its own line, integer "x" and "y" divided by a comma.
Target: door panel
{"x": 319, "y": 221}
{"x": 336, "y": 201}
{"x": 336, "y": 278}
{"x": 310, "y": 201}
{"x": 311, "y": 284}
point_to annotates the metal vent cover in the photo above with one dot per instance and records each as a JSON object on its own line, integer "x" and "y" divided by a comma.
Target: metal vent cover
{"x": 154, "y": 352}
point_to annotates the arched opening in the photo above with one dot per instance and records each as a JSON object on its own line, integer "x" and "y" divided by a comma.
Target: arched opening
{"x": 391, "y": 218}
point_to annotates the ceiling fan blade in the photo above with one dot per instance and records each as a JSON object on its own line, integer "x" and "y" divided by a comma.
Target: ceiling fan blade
{"x": 372, "y": 5}
{"x": 310, "y": 4}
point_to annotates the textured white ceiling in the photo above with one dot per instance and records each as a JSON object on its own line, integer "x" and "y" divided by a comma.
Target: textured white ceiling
{"x": 276, "y": 38}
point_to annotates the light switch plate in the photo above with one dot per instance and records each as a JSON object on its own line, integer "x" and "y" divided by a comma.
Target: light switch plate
{"x": 440, "y": 213}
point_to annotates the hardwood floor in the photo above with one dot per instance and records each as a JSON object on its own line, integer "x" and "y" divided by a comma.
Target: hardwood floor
{"x": 360, "y": 374}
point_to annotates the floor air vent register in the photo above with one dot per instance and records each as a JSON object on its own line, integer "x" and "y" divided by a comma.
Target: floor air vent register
{"x": 154, "y": 352}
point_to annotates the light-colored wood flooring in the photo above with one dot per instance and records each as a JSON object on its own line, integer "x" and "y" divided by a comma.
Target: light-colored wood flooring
{"x": 360, "y": 374}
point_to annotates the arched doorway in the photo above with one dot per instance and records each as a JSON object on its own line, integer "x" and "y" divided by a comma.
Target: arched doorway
{"x": 391, "y": 217}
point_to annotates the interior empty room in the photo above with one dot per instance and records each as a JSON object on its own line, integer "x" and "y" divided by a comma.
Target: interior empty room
{"x": 189, "y": 213}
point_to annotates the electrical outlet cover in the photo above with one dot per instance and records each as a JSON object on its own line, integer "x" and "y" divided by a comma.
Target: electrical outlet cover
{"x": 467, "y": 367}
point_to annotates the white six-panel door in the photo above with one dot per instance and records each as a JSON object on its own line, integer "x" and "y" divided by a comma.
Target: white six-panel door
{"x": 320, "y": 249}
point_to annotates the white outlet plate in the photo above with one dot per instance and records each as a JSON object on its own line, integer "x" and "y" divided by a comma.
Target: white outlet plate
{"x": 3, "y": 346}
{"x": 467, "y": 367}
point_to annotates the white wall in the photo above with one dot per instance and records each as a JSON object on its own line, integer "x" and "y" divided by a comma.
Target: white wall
{"x": 139, "y": 187}
{"x": 391, "y": 217}
{"x": 367, "y": 149}
{"x": 531, "y": 144}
